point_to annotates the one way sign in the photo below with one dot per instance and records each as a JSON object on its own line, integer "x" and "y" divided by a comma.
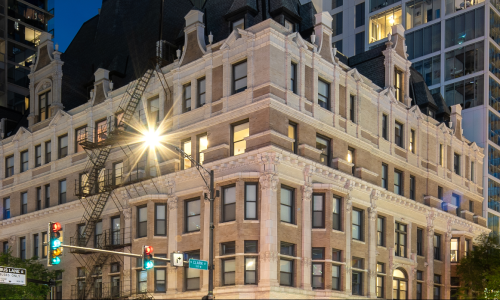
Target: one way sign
{"x": 12, "y": 276}
{"x": 177, "y": 259}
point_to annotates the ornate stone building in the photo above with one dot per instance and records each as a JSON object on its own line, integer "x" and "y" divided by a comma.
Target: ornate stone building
{"x": 337, "y": 177}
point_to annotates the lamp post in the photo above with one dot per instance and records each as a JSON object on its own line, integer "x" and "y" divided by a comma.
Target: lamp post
{"x": 211, "y": 197}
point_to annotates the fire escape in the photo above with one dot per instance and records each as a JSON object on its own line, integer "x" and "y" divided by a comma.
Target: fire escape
{"x": 95, "y": 189}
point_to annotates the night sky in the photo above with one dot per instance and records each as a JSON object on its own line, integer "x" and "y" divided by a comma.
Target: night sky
{"x": 69, "y": 17}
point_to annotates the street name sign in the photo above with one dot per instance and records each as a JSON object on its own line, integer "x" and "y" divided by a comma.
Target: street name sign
{"x": 12, "y": 276}
{"x": 198, "y": 264}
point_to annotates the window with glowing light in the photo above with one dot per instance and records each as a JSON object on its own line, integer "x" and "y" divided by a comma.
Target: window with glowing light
{"x": 351, "y": 158}
{"x": 454, "y": 248}
{"x": 43, "y": 106}
{"x": 202, "y": 146}
{"x": 292, "y": 133}
{"x": 380, "y": 24}
{"x": 412, "y": 141}
{"x": 186, "y": 147}
{"x": 239, "y": 133}
{"x": 398, "y": 85}
{"x": 101, "y": 130}
{"x": 250, "y": 270}
{"x": 80, "y": 136}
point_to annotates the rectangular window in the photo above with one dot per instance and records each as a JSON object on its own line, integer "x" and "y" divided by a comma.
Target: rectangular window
{"x": 456, "y": 163}
{"x": 293, "y": 77}
{"x": 186, "y": 98}
{"x": 398, "y": 134}
{"x": 420, "y": 241}
{"x": 38, "y": 198}
{"x": 38, "y": 156}
{"x": 117, "y": 173}
{"x": 47, "y": 196}
{"x": 323, "y": 144}
{"x": 239, "y": 133}
{"x": 454, "y": 248}
{"x": 80, "y": 136}
{"x": 412, "y": 141}
{"x": 154, "y": 110}
{"x": 22, "y": 248}
{"x": 455, "y": 200}
{"x": 398, "y": 182}
{"x": 63, "y": 146}
{"x": 337, "y": 25}
{"x": 228, "y": 271}
{"x": 202, "y": 146}
{"x": 335, "y": 277}
{"x": 98, "y": 235}
{"x": 5, "y": 247}
{"x": 142, "y": 221}
{"x": 286, "y": 204}
{"x": 9, "y": 166}
{"x": 419, "y": 290}
{"x": 360, "y": 14}
{"x": 351, "y": 158}
{"x": 251, "y": 201}
{"x": 292, "y": 133}
{"x": 323, "y": 94}
{"x": 239, "y": 77}
{"x": 286, "y": 272}
{"x": 357, "y": 285}
{"x": 287, "y": 249}
{"x": 336, "y": 218}
{"x": 251, "y": 246}
{"x": 385, "y": 182}
{"x": 160, "y": 280}
{"x": 48, "y": 152}
{"x": 62, "y": 191}
{"x": 192, "y": 215}
{"x": 44, "y": 246}
{"x": 318, "y": 211}
{"x": 36, "y": 244}
{"x": 336, "y": 255}
{"x": 412, "y": 187}
{"x": 358, "y": 262}
{"x": 380, "y": 231}
{"x": 398, "y": 84}
{"x": 24, "y": 203}
{"x": 380, "y": 286}
{"x": 202, "y": 90}
{"x": 380, "y": 267}
{"x": 472, "y": 172}
{"x": 385, "y": 134}
{"x": 192, "y": 275}
{"x": 381, "y": 23}
{"x": 24, "y": 161}
{"x": 142, "y": 282}
{"x": 440, "y": 192}
{"x": 400, "y": 240}
{"x": 357, "y": 225}
{"x": 360, "y": 42}
{"x": 441, "y": 155}
{"x": 437, "y": 247}
{"x": 318, "y": 281}
{"x": 6, "y": 208}
{"x": 318, "y": 253}
{"x": 115, "y": 231}
{"x": 337, "y": 3}
{"x": 250, "y": 270}
{"x": 161, "y": 219}
{"x": 186, "y": 147}
{"x": 44, "y": 106}
{"x": 228, "y": 248}
{"x": 101, "y": 130}
{"x": 228, "y": 204}
{"x": 437, "y": 288}
{"x": 467, "y": 247}
{"x": 352, "y": 108}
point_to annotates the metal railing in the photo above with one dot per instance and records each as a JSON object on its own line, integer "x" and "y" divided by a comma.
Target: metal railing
{"x": 108, "y": 239}
{"x": 110, "y": 290}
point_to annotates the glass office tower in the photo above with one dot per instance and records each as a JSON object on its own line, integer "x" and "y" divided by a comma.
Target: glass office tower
{"x": 21, "y": 23}
{"x": 455, "y": 45}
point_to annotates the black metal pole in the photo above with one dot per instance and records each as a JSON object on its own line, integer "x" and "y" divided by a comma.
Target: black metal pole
{"x": 211, "y": 239}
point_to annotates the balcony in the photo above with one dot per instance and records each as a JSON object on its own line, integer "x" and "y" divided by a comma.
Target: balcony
{"x": 108, "y": 240}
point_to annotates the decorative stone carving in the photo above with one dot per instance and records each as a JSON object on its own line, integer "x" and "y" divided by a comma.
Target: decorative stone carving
{"x": 12, "y": 240}
{"x": 269, "y": 181}
{"x": 269, "y": 256}
{"x": 372, "y": 213}
{"x": 126, "y": 273}
{"x": 127, "y": 213}
{"x": 172, "y": 203}
{"x": 269, "y": 158}
{"x": 306, "y": 262}
{"x": 372, "y": 273}
{"x": 307, "y": 191}
{"x": 348, "y": 205}
{"x": 349, "y": 185}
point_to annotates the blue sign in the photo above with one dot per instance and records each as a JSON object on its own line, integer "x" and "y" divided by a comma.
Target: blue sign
{"x": 198, "y": 264}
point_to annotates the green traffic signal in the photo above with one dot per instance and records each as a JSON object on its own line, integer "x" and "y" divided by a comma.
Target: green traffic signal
{"x": 55, "y": 260}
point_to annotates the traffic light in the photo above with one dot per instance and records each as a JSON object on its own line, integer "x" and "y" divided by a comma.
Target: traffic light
{"x": 147, "y": 257}
{"x": 54, "y": 244}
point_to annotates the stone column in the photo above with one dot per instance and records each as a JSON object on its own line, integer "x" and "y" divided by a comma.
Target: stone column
{"x": 172, "y": 243}
{"x": 447, "y": 262}
{"x": 348, "y": 236}
{"x": 127, "y": 236}
{"x": 307, "y": 190}
{"x": 372, "y": 245}
{"x": 430, "y": 255}
{"x": 268, "y": 243}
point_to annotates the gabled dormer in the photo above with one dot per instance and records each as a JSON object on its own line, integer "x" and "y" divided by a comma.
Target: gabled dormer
{"x": 45, "y": 81}
{"x": 397, "y": 65}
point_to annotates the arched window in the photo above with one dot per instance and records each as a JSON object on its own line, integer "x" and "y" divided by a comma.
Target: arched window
{"x": 399, "y": 284}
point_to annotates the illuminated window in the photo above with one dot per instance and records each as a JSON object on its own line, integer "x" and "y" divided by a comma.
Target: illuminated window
{"x": 380, "y": 24}
{"x": 101, "y": 130}
{"x": 80, "y": 136}
{"x": 202, "y": 146}
{"x": 398, "y": 85}
{"x": 240, "y": 132}
{"x": 454, "y": 250}
{"x": 292, "y": 133}
{"x": 43, "y": 106}
{"x": 186, "y": 147}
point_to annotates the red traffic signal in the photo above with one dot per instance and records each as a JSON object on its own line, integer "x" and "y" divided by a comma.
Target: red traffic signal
{"x": 55, "y": 227}
{"x": 148, "y": 250}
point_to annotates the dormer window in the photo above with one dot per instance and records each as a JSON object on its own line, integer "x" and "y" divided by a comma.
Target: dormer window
{"x": 289, "y": 26}
{"x": 238, "y": 24}
{"x": 398, "y": 84}
{"x": 43, "y": 106}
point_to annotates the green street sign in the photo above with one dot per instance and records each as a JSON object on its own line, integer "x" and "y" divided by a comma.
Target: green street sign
{"x": 198, "y": 264}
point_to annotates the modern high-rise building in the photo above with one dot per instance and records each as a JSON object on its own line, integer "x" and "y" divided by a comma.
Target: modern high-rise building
{"x": 21, "y": 24}
{"x": 454, "y": 44}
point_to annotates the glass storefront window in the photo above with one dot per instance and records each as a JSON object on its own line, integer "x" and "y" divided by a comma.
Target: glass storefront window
{"x": 380, "y": 24}
{"x": 419, "y": 12}
{"x": 458, "y": 5}
{"x": 429, "y": 68}
{"x": 424, "y": 41}
{"x": 23, "y": 34}
{"x": 494, "y": 128}
{"x": 495, "y": 60}
{"x": 464, "y": 61}
{"x": 468, "y": 93}
{"x": 493, "y": 195}
{"x": 494, "y": 161}
{"x": 464, "y": 27}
